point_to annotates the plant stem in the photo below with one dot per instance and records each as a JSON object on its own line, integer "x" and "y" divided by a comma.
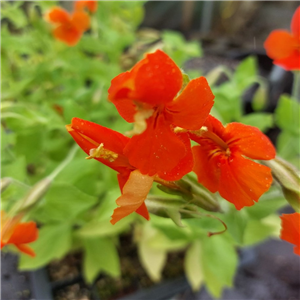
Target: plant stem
{"x": 63, "y": 164}
{"x": 296, "y": 86}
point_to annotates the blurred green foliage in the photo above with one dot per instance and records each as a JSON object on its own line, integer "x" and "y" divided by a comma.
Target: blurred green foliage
{"x": 45, "y": 83}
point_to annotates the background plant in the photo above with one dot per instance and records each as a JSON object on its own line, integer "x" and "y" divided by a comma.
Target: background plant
{"x": 45, "y": 83}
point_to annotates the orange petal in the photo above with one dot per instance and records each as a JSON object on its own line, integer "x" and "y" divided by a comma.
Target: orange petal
{"x": 91, "y": 5}
{"x": 134, "y": 194}
{"x": 280, "y": 44}
{"x": 184, "y": 166}
{"x": 143, "y": 211}
{"x": 58, "y": 15}
{"x": 191, "y": 108}
{"x": 80, "y": 20}
{"x": 207, "y": 168}
{"x": 111, "y": 139}
{"x": 243, "y": 181}
{"x": 122, "y": 178}
{"x": 89, "y": 135}
{"x": 291, "y": 62}
{"x": 67, "y": 34}
{"x": 290, "y": 230}
{"x": 157, "y": 79}
{"x": 26, "y": 249}
{"x": 24, "y": 233}
{"x": 295, "y": 24}
{"x": 118, "y": 94}
{"x": 157, "y": 150}
{"x": 249, "y": 140}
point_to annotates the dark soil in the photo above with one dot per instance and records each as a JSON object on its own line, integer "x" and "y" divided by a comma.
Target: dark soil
{"x": 107, "y": 288}
{"x": 15, "y": 285}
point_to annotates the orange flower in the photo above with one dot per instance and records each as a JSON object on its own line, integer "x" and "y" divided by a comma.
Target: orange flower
{"x": 220, "y": 164}
{"x": 284, "y": 46}
{"x": 90, "y": 5}
{"x": 70, "y": 27}
{"x": 18, "y": 234}
{"x": 107, "y": 146}
{"x": 149, "y": 93}
{"x": 290, "y": 230}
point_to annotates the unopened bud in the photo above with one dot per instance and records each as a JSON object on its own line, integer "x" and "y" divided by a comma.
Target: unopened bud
{"x": 288, "y": 177}
{"x": 176, "y": 209}
{"x": 201, "y": 196}
{"x": 5, "y": 182}
{"x": 35, "y": 194}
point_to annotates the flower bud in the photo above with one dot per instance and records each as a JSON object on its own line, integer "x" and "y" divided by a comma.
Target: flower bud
{"x": 176, "y": 209}
{"x": 35, "y": 194}
{"x": 288, "y": 177}
{"x": 5, "y": 182}
{"x": 200, "y": 195}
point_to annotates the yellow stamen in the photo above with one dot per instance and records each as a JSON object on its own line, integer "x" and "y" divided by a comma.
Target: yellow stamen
{"x": 101, "y": 152}
{"x": 140, "y": 123}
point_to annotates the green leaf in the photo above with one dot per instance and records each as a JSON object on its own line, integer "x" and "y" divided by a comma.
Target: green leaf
{"x": 72, "y": 109}
{"x": 14, "y": 13}
{"x": 193, "y": 265}
{"x": 245, "y": 73}
{"x": 16, "y": 169}
{"x": 262, "y": 121}
{"x": 104, "y": 228}
{"x": 288, "y": 146}
{"x": 287, "y": 115}
{"x": 219, "y": 261}
{"x": 269, "y": 203}
{"x": 152, "y": 259}
{"x": 258, "y": 230}
{"x": 100, "y": 255}
{"x": 236, "y": 222}
{"x": 65, "y": 202}
{"x": 54, "y": 242}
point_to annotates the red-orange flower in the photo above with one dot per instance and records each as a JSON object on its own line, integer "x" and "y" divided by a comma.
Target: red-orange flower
{"x": 91, "y": 5}
{"x": 284, "y": 46}
{"x": 19, "y": 234}
{"x": 149, "y": 93}
{"x": 107, "y": 146}
{"x": 290, "y": 230}
{"x": 221, "y": 166}
{"x": 69, "y": 27}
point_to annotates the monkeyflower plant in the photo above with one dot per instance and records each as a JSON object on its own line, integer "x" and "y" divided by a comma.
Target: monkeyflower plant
{"x": 69, "y": 27}
{"x": 168, "y": 111}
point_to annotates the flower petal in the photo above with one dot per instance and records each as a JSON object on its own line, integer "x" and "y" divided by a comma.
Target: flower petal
{"x": 26, "y": 249}
{"x": 243, "y": 181}
{"x": 291, "y": 62}
{"x": 184, "y": 166}
{"x": 290, "y": 230}
{"x": 24, "y": 233}
{"x": 118, "y": 94}
{"x": 249, "y": 140}
{"x": 91, "y": 5}
{"x": 157, "y": 150}
{"x": 58, "y": 15}
{"x": 80, "y": 20}
{"x": 134, "y": 194}
{"x": 89, "y": 135}
{"x": 295, "y": 24}
{"x": 157, "y": 79}
{"x": 191, "y": 108}
{"x": 280, "y": 44}
{"x": 143, "y": 211}
{"x": 207, "y": 168}
{"x": 67, "y": 34}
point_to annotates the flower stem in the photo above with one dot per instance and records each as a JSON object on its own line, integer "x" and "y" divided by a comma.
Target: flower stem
{"x": 63, "y": 164}
{"x": 296, "y": 86}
